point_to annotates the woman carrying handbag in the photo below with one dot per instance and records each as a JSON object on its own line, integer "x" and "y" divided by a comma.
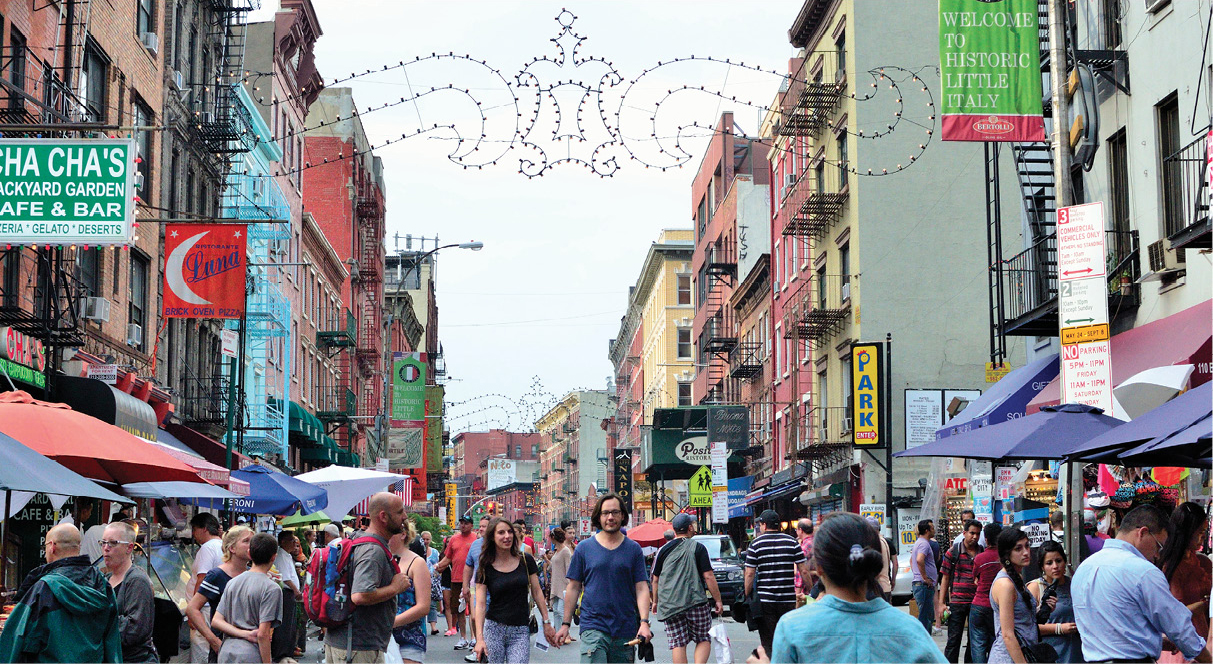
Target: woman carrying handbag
{"x": 1016, "y": 635}
{"x": 511, "y": 577}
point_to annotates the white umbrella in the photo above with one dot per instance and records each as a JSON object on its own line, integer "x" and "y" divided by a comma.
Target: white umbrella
{"x": 1149, "y": 389}
{"x": 348, "y": 486}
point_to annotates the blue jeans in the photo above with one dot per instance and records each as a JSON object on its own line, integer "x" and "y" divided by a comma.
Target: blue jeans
{"x": 981, "y": 632}
{"x": 924, "y": 595}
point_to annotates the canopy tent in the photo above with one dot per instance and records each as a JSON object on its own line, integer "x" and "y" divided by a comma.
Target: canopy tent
{"x": 274, "y": 493}
{"x": 650, "y": 533}
{"x": 1170, "y": 426}
{"x": 347, "y": 486}
{"x": 86, "y": 445}
{"x": 1182, "y": 338}
{"x": 162, "y": 490}
{"x": 1047, "y": 434}
{"x": 297, "y": 519}
{"x": 1007, "y": 399}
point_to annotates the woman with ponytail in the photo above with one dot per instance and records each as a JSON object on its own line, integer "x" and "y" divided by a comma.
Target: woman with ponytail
{"x": 1014, "y": 607}
{"x": 843, "y": 625}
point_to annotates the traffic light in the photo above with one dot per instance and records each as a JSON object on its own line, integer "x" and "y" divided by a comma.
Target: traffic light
{"x": 492, "y": 507}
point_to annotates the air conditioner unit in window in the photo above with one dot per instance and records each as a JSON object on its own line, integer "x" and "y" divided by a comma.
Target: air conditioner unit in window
{"x": 151, "y": 41}
{"x": 846, "y": 291}
{"x": 1164, "y": 260}
{"x": 134, "y": 335}
{"x": 846, "y": 426}
{"x": 789, "y": 179}
{"x": 95, "y": 308}
{"x": 179, "y": 81}
{"x": 206, "y": 117}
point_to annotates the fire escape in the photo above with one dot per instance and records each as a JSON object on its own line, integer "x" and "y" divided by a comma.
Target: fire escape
{"x": 337, "y": 335}
{"x": 719, "y": 335}
{"x": 368, "y": 292}
{"x": 1023, "y": 288}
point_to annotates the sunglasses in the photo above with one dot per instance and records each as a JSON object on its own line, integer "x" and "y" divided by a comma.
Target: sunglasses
{"x": 109, "y": 544}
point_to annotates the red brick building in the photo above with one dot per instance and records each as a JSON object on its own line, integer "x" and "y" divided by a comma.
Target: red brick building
{"x": 473, "y": 447}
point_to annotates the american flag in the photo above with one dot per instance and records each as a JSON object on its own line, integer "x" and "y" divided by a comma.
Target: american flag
{"x": 402, "y": 488}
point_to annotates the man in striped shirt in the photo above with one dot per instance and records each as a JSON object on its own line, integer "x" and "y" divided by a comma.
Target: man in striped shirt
{"x": 771, "y": 564}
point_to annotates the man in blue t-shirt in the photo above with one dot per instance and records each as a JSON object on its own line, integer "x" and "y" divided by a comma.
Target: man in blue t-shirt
{"x": 610, "y": 569}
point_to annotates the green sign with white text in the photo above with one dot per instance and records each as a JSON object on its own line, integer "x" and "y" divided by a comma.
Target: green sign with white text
{"x": 408, "y": 388}
{"x": 67, "y": 191}
{"x": 22, "y": 373}
{"x": 989, "y": 66}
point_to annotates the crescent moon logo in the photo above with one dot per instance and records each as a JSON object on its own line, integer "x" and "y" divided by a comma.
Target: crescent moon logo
{"x": 174, "y": 272}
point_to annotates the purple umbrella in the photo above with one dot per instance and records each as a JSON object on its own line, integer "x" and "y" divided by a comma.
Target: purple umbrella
{"x": 1047, "y": 434}
{"x": 1175, "y": 425}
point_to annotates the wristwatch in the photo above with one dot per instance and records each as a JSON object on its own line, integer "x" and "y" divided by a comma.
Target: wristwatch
{"x": 644, "y": 620}
{"x": 566, "y": 623}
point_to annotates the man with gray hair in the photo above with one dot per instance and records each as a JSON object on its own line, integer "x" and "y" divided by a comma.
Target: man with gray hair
{"x": 65, "y": 609}
{"x": 132, "y": 591}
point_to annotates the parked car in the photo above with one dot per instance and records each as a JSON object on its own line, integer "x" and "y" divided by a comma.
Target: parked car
{"x": 727, "y": 566}
{"x": 902, "y": 585}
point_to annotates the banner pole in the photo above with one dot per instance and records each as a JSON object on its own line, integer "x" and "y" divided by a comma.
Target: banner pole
{"x": 888, "y": 427}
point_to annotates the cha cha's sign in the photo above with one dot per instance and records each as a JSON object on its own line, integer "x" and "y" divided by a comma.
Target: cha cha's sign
{"x": 22, "y": 357}
{"x": 64, "y": 191}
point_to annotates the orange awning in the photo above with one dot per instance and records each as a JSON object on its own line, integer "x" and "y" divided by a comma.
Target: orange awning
{"x": 85, "y": 444}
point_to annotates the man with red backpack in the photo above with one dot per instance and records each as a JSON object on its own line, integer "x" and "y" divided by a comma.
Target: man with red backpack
{"x": 373, "y": 579}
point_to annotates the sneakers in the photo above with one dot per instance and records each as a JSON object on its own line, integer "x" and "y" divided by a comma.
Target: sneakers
{"x": 470, "y": 657}
{"x": 451, "y": 632}
{"x": 462, "y": 645}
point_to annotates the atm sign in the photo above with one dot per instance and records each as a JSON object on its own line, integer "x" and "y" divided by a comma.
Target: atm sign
{"x": 867, "y": 366}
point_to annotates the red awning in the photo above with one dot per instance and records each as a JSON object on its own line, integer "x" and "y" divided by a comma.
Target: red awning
{"x": 1182, "y": 338}
{"x": 210, "y": 449}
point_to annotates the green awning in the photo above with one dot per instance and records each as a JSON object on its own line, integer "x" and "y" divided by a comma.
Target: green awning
{"x": 326, "y": 452}
{"x": 355, "y": 460}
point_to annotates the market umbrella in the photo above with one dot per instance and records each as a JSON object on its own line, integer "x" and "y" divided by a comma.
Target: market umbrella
{"x": 1047, "y": 434}
{"x": 297, "y": 519}
{"x": 650, "y": 533}
{"x": 276, "y": 493}
{"x": 162, "y": 490}
{"x": 1192, "y": 447}
{"x": 1162, "y": 422}
{"x": 85, "y": 444}
{"x": 1146, "y": 390}
{"x": 348, "y": 486}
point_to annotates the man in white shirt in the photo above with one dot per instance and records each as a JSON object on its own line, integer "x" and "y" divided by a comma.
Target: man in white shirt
{"x": 965, "y": 517}
{"x": 205, "y": 530}
{"x": 287, "y": 642}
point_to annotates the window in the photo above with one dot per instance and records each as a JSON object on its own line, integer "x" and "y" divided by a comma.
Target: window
{"x": 684, "y": 343}
{"x": 1111, "y": 23}
{"x": 822, "y": 294}
{"x": 820, "y": 171}
{"x": 684, "y": 289}
{"x": 823, "y": 394}
{"x": 842, "y": 160}
{"x": 517, "y": 451}
{"x": 178, "y": 55}
{"x": 1118, "y": 188}
{"x": 191, "y": 47}
{"x": 1172, "y": 167}
{"x": 844, "y": 269}
{"x": 11, "y": 287}
{"x": 138, "y": 300}
{"x": 17, "y": 64}
{"x": 840, "y": 54}
{"x": 701, "y": 217}
{"x": 93, "y": 77}
{"x": 846, "y": 381}
{"x": 684, "y": 394}
{"x": 143, "y": 137}
{"x": 534, "y": 450}
{"x": 88, "y": 270}
{"x": 146, "y": 16}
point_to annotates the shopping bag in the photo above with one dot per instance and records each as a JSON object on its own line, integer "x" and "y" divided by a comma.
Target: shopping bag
{"x": 720, "y": 643}
{"x": 392, "y": 655}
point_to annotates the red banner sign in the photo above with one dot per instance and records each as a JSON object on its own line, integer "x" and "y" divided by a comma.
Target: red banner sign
{"x": 205, "y": 270}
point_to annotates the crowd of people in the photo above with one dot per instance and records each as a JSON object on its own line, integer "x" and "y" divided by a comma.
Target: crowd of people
{"x": 822, "y": 595}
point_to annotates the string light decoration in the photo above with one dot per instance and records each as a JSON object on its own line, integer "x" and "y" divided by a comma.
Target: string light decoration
{"x": 574, "y": 94}
{"x": 495, "y": 409}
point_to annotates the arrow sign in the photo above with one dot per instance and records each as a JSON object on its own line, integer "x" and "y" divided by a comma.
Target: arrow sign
{"x": 1082, "y": 297}
{"x": 1080, "y": 241}
{"x": 1080, "y": 320}
{"x": 1082, "y": 271}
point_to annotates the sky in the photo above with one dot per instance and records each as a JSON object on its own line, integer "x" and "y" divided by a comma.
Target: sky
{"x": 528, "y": 318}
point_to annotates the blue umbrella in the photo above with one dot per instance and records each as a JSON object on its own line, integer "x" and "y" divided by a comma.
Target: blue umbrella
{"x": 1152, "y": 431}
{"x": 276, "y": 493}
{"x": 1191, "y": 447}
{"x": 1048, "y": 434}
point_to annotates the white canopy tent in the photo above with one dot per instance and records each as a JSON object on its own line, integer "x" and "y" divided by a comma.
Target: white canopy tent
{"x": 348, "y": 486}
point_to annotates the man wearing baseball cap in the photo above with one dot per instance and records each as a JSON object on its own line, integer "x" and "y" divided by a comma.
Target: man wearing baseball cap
{"x": 680, "y": 601}
{"x": 770, "y": 570}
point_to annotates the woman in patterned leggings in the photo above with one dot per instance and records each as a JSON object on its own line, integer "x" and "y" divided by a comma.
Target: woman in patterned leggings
{"x": 507, "y": 574}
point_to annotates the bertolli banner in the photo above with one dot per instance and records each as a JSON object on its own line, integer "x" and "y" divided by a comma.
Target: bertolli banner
{"x": 989, "y": 63}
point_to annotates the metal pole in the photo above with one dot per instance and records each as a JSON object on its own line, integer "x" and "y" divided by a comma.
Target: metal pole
{"x": 888, "y": 409}
{"x": 1063, "y": 193}
{"x": 8, "y": 506}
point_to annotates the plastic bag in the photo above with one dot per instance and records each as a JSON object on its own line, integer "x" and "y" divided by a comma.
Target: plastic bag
{"x": 720, "y": 643}
{"x": 392, "y": 655}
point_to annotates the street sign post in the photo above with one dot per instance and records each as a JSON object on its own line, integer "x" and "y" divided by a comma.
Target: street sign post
{"x": 720, "y": 483}
{"x": 1082, "y": 297}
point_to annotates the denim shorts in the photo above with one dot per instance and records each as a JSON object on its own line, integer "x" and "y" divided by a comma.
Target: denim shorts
{"x": 411, "y": 654}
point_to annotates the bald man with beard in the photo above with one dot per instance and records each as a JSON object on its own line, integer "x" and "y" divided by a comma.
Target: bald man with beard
{"x": 375, "y": 581}
{"x": 66, "y": 611}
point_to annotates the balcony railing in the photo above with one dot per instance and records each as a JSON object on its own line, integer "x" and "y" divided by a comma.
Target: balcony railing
{"x": 721, "y": 258}
{"x": 819, "y": 307}
{"x": 228, "y": 128}
{"x": 31, "y": 91}
{"x": 811, "y": 204}
{"x": 337, "y": 330}
{"x": 256, "y": 198}
{"x": 746, "y": 360}
{"x": 1030, "y": 283}
{"x": 718, "y": 335}
{"x": 814, "y": 93}
{"x": 204, "y": 397}
{"x": 337, "y": 403}
{"x": 825, "y": 431}
{"x": 1186, "y": 196}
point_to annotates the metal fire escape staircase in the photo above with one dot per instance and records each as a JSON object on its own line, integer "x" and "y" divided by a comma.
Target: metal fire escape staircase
{"x": 719, "y": 335}
{"x": 368, "y": 290}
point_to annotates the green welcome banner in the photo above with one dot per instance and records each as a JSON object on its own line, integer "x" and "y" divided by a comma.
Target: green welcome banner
{"x": 989, "y": 63}
{"x": 408, "y": 388}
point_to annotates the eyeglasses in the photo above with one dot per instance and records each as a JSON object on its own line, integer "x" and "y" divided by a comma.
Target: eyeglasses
{"x": 612, "y": 512}
{"x": 109, "y": 544}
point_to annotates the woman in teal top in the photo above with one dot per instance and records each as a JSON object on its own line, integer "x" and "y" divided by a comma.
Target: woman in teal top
{"x": 844, "y": 626}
